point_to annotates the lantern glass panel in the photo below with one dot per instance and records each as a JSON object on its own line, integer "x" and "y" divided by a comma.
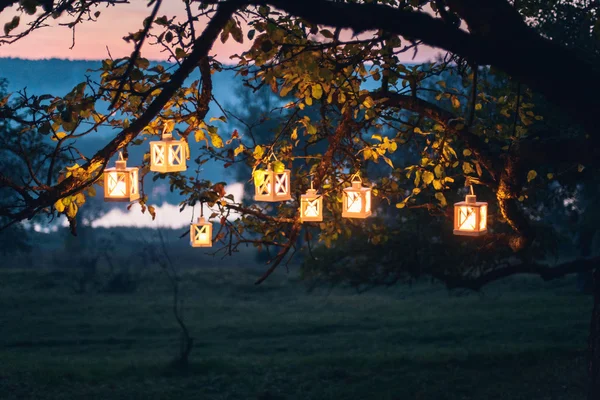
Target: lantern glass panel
{"x": 117, "y": 185}
{"x": 483, "y": 217}
{"x": 353, "y": 202}
{"x": 201, "y": 234}
{"x": 467, "y": 218}
{"x": 158, "y": 154}
{"x": 282, "y": 186}
{"x": 312, "y": 208}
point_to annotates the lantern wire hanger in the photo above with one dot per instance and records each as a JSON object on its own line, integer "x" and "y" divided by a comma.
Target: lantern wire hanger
{"x": 356, "y": 176}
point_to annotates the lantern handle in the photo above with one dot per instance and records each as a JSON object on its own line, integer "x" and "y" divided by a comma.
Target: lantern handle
{"x": 356, "y": 176}
{"x": 472, "y": 192}
{"x": 121, "y": 156}
{"x": 165, "y": 134}
{"x": 272, "y": 156}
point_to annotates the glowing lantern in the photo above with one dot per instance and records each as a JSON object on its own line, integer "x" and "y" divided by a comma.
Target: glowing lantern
{"x": 167, "y": 154}
{"x": 272, "y": 186}
{"x": 121, "y": 183}
{"x": 470, "y": 217}
{"x": 356, "y": 200}
{"x": 201, "y": 233}
{"x": 311, "y": 206}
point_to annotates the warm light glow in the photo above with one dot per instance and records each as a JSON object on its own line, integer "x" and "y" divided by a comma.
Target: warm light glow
{"x": 467, "y": 218}
{"x": 167, "y": 155}
{"x": 121, "y": 183}
{"x": 483, "y": 218}
{"x": 281, "y": 184}
{"x": 470, "y": 217}
{"x": 116, "y": 184}
{"x": 275, "y": 186}
{"x": 354, "y": 202}
{"x": 311, "y": 206}
{"x": 201, "y": 234}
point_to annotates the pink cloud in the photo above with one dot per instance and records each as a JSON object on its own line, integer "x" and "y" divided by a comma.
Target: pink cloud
{"x": 92, "y": 39}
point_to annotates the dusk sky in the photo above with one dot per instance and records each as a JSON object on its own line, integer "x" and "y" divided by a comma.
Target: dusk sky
{"x": 92, "y": 38}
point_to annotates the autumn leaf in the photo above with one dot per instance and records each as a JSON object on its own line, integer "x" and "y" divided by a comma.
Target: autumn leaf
{"x": 531, "y": 175}
{"x": 238, "y": 150}
{"x": 317, "y": 91}
{"x": 441, "y": 198}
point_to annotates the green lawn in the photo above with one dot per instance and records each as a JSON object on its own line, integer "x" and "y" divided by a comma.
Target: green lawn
{"x": 521, "y": 339}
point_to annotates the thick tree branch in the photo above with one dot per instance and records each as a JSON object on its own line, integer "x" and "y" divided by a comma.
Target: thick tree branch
{"x": 543, "y": 271}
{"x": 499, "y": 37}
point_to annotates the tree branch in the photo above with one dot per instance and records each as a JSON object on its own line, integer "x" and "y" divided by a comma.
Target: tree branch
{"x": 543, "y": 271}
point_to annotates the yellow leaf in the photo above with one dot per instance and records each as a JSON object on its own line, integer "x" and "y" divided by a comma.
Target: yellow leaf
{"x": 455, "y": 102}
{"x": 72, "y": 210}
{"x": 437, "y": 184}
{"x": 79, "y": 198}
{"x": 368, "y": 153}
{"x": 466, "y": 152}
{"x": 550, "y": 176}
{"x": 295, "y": 134}
{"x": 317, "y": 91}
{"x": 531, "y": 175}
{"x": 60, "y": 207}
{"x": 258, "y": 152}
{"x": 580, "y": 168}
{"x": 216, "y": 140}
{"x": 400, "y": 205}
{"x": 478, "y": 106}
{"x": 427, "y": 177}
{"x": 388, "y": 161}
{"x": 468, "y": 168}
{"x": 441, "y": 198}
{"x": 368, "y": 102}
{"x": 238, "y": 150}
{"x": 199, "y": 135}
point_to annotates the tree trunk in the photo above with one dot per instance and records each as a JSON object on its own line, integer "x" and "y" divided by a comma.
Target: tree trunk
{"x": 594, "y": 343}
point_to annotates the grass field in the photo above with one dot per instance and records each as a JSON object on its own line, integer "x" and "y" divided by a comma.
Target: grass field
{"x": 521, "y": 339}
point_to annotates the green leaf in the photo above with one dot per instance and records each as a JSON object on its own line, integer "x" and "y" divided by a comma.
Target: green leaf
{"x": 259, "y": 176}
{"x": 278, "y": 166}
{"x": 531, "y": 175}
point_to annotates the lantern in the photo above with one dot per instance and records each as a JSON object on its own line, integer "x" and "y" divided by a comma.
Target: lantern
{"x": 201, "y": 233}
{"x": 272, "y": 186}
{"x": 121, "y": 183}
{"x": 356, "y": 200}
{"x": 311, "y": 206}
{"x": 168, "y": 154}
{"x": 470, "y": 217}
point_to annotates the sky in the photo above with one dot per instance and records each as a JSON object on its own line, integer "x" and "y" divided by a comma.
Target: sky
{"x": 93, "y": 38}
